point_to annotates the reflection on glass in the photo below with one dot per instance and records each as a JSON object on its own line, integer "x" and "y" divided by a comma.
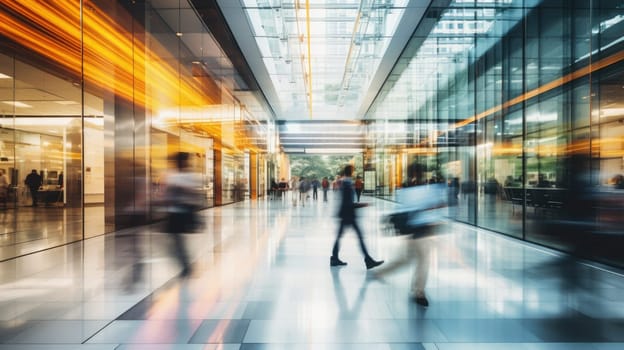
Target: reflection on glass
{"x": 533, "y": 129}
{"x": 134, "y": 97}
{"x": 40, "y": 142}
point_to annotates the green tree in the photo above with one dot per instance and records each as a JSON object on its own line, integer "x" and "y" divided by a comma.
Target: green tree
{"x": 338, "y": 162}
{"x": 308, "y": 166}
{"x": 319, "y": 166}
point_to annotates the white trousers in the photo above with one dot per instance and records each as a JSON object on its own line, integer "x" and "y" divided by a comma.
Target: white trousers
{"x": 417, "y": 253}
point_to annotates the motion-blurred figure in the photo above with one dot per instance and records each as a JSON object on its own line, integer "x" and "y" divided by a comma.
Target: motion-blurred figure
{"x": 359, "y": 187}
{"x": 294, "y": 186}
{"x": 347, "y": 217}
{"x": 416, "y": 253}
{"x": 325, "y": 185}
{"x": 422, "y": 210}
{"x": 304, "y": 185}
{"x": 315, "y": 185}
{"x": 182, "y": 199}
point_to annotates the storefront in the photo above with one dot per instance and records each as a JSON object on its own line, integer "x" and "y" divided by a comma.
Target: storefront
{"x": 95, "y": 97}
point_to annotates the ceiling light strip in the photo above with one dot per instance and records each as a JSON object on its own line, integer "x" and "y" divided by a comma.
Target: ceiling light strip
{"x": 309, "y": 58}
{"x": 299, "y": 45}
{"x": 348, "y": 61}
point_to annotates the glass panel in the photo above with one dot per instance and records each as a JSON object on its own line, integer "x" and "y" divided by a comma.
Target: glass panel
{"x": 607, "y": 236}
{"x": 542, "y": 180}
{"x": 228, "y": 178}
{"x": 41, "y": 131}
{"x": 581, "y": 214}
{"x": 139, "y": 82}
{"x": 114, "y": 170}
{"x": 499, "y": 157}
{"x": 548, "y": 146}
{"x": 323, "y": 58}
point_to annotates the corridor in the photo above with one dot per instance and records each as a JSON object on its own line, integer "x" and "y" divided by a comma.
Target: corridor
{"x": 262, "y": 280}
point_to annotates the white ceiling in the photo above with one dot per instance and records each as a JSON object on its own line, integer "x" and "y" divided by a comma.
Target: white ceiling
{"x": 342, "y": 91}
{"x": 27, "y": 94}
{"x": 353, "y": 45}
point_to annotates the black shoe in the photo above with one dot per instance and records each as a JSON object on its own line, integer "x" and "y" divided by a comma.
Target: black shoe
{"x": 336, "y": 262}
{"x": 370, "y": 263}
{"x": 186, "y": 272}
{"x": 421, "y": 300}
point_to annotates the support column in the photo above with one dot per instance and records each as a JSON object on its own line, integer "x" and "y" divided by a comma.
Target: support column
{"x": 399, "y": 170}
{"x": 218, "y": 176}
{"x": 126, "y": 142}
{"x": 125, "y": 170}
{"x": 73, "y": 167}
{"x": 253, "y": 176}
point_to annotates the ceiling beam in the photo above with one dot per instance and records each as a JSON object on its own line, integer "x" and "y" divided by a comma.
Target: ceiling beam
{"x": 412, "y": 17}
{"x": 240, "y": 35}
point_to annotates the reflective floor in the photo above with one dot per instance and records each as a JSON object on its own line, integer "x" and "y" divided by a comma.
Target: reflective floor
{"x": 31, "y": 229}
{"x": 261, "y": 280}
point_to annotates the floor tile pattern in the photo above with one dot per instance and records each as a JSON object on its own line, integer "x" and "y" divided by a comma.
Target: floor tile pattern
{"x": 262, "y": 280}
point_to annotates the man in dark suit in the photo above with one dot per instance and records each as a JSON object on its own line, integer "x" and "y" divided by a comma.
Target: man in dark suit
{"x": 33, "y": 181}
{"x": 347, "y": 217}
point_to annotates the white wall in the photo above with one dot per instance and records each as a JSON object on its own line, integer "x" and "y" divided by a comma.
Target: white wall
{"x": 94, "y": 165}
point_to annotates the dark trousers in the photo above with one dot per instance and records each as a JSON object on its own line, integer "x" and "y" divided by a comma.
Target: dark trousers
{"x": 314, "y": 194}
{"x": 33, "y": 194}
{"x": 324, "y": 195}
{"x": 358, "y": 192}
{"x": 177, "y": 224}
{"x": 179, "y": 252}
{"x": 343, "y": 225}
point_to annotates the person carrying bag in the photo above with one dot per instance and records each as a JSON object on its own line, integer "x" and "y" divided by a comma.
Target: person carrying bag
{"x": 421, "y": 210}
{"x": 183, "y": 197}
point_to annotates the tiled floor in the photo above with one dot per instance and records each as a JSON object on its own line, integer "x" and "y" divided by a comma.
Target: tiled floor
{"x": 262, "y": 281}
{"x": 26, "y": 229}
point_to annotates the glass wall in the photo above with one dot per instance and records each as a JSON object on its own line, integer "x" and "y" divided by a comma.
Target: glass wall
{"x": 95, "y": 96}
{"x": 527, "y": 101}
{"x": 41, "y": 131}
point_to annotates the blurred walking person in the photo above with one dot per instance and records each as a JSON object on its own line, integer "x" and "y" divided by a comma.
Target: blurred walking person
{"x": 347, "y": 217}
{"x": 325, "y": 185}
{"x": 303, "y": 190}
{"x": 315, "y": 185}
{"x": 294, "y": 186}
{"x": 182, "y": 199}
{"x": 359, "y": 187}
{"x": 419, "y": 217}
{"x": 282, "y": 187}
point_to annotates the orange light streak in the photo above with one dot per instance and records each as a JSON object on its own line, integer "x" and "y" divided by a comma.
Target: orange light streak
{"x": 114, "y": 60}
{"x": 605, "y": 62}
{"x": 52, "y": 29}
